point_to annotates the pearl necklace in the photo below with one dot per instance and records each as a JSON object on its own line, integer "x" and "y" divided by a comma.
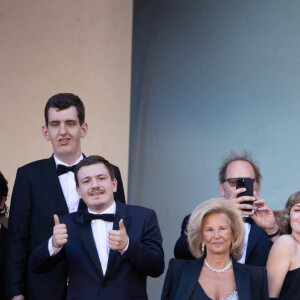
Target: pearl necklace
{"x": 216, "y": 270}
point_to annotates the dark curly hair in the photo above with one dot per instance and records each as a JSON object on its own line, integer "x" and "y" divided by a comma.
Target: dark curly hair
{"x": 3, "y": 194}
{"x": 285, "y": 215}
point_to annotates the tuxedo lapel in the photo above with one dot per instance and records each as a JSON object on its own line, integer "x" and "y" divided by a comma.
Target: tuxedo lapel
{"x": 189, "y": 279}
{"x": 242, "y": 279}
{"x": 254, "y": 237}
{"x": 85, "y": 232}
{"x": 120, "y": 214}
{"x": 49, "y": 173}
{"x": 81, "y": 205}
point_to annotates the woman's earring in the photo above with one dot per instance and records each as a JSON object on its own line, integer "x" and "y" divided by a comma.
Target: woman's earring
{"x": 202, "y": 248}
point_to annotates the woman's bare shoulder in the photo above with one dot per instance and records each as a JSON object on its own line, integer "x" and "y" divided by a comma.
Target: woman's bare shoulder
{"x": 286, "y": 243}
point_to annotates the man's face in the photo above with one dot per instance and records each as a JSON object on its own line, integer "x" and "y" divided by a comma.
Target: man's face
{"x": 96, "y": 188}
{"x": 64, "y": 132}
{"x": 237, "y": 169}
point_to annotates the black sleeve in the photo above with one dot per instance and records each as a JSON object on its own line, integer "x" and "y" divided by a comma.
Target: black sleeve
{"x": 147, "y": 255}
{"x": 265, "y": 290}
{"x": 181, "y": 249}
{"x": 168, "y": 282}
{"x": 40, "y": 261}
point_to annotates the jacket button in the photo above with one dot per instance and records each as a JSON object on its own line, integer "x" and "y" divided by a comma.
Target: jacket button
{"x": 103, "y": 284}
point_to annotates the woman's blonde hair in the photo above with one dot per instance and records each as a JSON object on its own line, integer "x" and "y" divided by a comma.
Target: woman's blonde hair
{"x": 215, "y": 206}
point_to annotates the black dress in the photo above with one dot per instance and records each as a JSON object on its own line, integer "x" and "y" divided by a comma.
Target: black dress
{"x": 199, "y": 294}
{"x": 291, "y": 286}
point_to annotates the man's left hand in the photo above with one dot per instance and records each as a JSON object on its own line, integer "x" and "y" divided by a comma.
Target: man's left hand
{"x": 263, "y": 216}
{"x": 118, "y": 239}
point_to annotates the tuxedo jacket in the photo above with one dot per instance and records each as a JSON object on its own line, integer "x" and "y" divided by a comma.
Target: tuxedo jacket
{"x": 182, "y": 278}
{"x": 258, "y": 247}
{"x": 125, "y": 277}
{"x": 3, "y": 232}
{"x": 37, "y": 196}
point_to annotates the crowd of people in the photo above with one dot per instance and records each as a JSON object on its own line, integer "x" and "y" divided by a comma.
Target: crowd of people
{"x": 71, "y": 235}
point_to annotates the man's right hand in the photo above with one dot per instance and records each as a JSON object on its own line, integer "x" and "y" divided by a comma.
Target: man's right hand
{"x": 19, "y": 297}
{"x": 238, "y": 202}
{"x": 60, "y": 235}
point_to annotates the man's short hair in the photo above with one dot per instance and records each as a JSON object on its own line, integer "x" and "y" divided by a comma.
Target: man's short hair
{"x": 3, "y": 194}
{"x": 196, "y": 224}
{"x": 92, "y": 160}
{"x": 233, "y": 156}
{"x": 63, "y": 101}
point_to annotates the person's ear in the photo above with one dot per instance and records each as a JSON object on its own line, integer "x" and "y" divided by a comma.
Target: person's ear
{"x": 258, "y": 186}
{"x": 221, "y": 189}
{"x": 115, "y": 184}
{"x": 78, "y": 192}
{"x": 84, "y": 129}
{"x": 45, "y": 132}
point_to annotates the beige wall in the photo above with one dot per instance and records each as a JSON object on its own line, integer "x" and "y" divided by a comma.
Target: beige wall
{"x": 47, "y": 47}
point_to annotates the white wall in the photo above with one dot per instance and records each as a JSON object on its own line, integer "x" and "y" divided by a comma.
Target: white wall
{"x": 48, "y": 47}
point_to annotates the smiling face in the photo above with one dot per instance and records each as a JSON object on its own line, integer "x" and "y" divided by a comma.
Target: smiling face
{"x": 65, "y": 132}
{"x": 217, "y": 234}
{"x": 96, "y": 187}
{"x": 238, "y": 168}
{"x": 295, "y": 218}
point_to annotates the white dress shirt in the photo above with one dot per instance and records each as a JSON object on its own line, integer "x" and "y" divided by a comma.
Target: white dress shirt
{"x": 101, "y": 240}
{"x": 247, "y": 228}
{"x": 68, "y": 185}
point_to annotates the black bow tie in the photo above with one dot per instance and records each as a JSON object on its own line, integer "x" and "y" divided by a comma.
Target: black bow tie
{"x": 105, "y": 217}
{"x": 61, "y": 169}
{"x": 248, "y": 220}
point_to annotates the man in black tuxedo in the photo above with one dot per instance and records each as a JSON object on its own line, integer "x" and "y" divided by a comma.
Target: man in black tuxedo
{"x": 110, "y": 248}
{"x": 261, "y": 229}
{"x": 43, "y": 188}
{"x": 3, "y": 230}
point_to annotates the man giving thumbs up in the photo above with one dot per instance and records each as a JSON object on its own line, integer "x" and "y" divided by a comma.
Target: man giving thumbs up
{"x": 60, "y": 236}
{"x": 110, "y": 247}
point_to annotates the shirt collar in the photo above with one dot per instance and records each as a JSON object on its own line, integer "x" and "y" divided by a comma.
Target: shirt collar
{"x": 59, "y": 162}
{"x": 109, "y": 210}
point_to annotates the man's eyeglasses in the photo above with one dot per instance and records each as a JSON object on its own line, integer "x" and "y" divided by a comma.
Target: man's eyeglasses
{"x": 232, "y": 181}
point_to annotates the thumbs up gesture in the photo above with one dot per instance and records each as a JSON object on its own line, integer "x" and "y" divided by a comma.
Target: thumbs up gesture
{"x": 118, "y": 239}
{"x": 60, "y": 236}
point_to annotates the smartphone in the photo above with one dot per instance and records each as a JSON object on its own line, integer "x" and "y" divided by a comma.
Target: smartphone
{"x": 247, "y": 183}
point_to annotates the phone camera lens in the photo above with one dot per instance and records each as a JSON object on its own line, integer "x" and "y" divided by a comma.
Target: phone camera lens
{"x": 241, "y": 183}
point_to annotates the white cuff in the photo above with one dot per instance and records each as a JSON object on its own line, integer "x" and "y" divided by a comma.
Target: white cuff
{"x": 52, "y": 250}
{"x": 125, "y": 249}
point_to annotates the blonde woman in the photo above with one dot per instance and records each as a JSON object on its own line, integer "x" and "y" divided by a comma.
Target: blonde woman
{"x": 215, "y": 235}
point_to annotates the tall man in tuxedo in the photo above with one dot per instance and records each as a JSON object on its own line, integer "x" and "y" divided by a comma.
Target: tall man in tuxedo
{"x": 43, "y": 188}
{"x": 110, "y": 248}
{"x": 260, "y": 225}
